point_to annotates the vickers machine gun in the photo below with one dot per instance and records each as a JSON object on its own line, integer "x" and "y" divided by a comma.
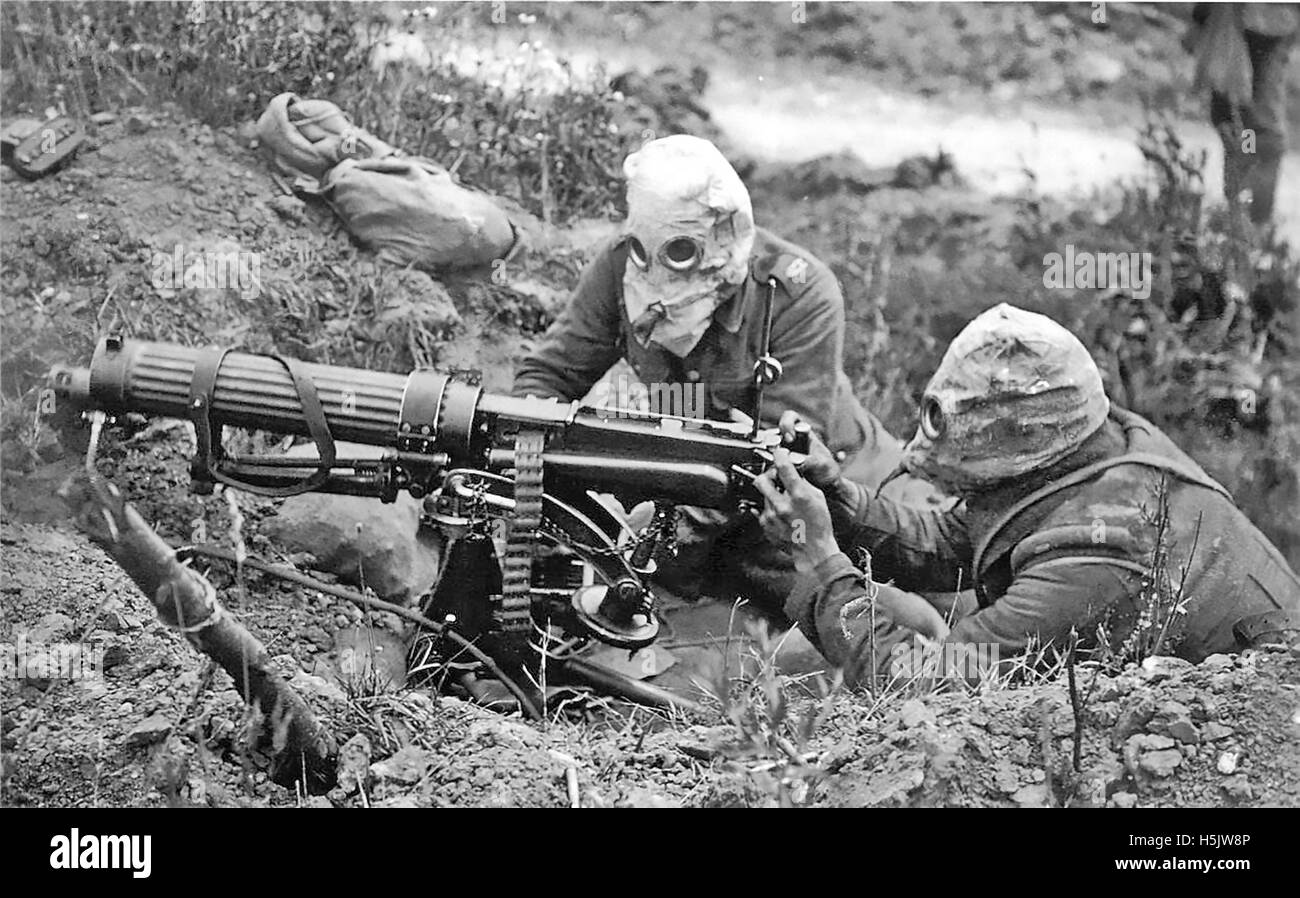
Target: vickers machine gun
{"x": 524, "y": 471}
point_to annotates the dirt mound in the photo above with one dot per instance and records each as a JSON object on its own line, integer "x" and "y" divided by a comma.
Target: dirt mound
{"x": 161, "y": 728}
{"x": 845, "y": 172}
{"x": 669, "y": 101}
{"x": 1226, "y": 732}
{"x": 110, "y": 741}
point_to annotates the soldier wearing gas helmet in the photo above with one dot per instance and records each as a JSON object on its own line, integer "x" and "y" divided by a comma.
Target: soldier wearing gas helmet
{"x": 1058, "y": 528}
{"x": 680, "y": 295}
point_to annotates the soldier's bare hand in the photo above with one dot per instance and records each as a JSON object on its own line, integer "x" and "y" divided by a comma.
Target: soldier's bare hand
{"x": 820, "y": 469}
{"x": 796, "y": 514}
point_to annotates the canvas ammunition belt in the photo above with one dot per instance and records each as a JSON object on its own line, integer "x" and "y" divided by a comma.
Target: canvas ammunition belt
{"x": 521, "y": 543}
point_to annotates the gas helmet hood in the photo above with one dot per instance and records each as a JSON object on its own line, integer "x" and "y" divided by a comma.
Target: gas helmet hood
{"x": 1015, "y": 393}
{"x": 689, "y": 234}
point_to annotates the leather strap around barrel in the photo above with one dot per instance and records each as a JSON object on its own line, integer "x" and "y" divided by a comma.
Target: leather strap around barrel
{"x": 203, "y": 384}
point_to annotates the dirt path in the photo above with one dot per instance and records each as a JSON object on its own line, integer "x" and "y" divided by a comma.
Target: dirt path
{"x": 1069, "y": 151}
{"x": 779, "y": 110}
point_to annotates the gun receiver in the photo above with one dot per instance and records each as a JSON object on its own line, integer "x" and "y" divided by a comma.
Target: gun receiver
{"x": 470, "y": 454}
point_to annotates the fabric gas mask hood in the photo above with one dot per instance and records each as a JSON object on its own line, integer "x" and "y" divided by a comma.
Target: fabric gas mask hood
{"x": 1015, "y": 393}
{"x": 689, "y": 234}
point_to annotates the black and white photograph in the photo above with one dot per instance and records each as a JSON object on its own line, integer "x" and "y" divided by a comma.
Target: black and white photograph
{"x": 650, "y": 405}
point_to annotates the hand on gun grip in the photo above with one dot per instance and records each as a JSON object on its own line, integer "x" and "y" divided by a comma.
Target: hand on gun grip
{"x": 796, "y": 512}
{"x": 820, "y": 467}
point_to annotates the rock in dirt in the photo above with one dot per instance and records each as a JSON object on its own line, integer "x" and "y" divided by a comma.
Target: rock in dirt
{"x": 1005, "y": 777}
{"x": 1164, "y": 667}
{"x": 1098, "y": 781}
{"x": 837, "y": 756}
{"x": 1238, "y": 788}
{"x": 310, "y": 686}
{"x": 914, "y": 713}
{"x": 644, "y": 798}
{"x": 1134, "y": 718}
{"x": 401, "y": 801}
{"x": 1184, "y": 731}
{"x": 494, "y": 731}
{"x": 1161, "y": 763}
{"x": 1112, "y": 688}
{"x": 53, "y": 627}
{"x": 353, "y": 766}
{"x": 1151, "y": 742}
{"x": 1217, "y": 661}
{"x": 363, "y": 541}
{"x": 1035, "y": 796}
{"x": 1214, "y": 731}
{"x": 407, "y": 767}
{"x": 1151, "y": 753}
{"x": 886, "y": 788}
{"x": 153, "y": 728}
{"x": 1174, "y": 719}
{"x": 289, "y": 208}
{"x": 1124, "y": 800}
{"x": 113, "y": 620}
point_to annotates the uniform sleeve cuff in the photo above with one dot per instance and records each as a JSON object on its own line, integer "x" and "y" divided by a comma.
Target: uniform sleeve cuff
{"x": 811, "y": 584}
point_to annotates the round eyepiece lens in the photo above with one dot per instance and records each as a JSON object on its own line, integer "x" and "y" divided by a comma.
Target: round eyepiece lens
{"x": 932, "y": 418}
{"x": 681, "y": 253}
{"x": 636, "y": 252}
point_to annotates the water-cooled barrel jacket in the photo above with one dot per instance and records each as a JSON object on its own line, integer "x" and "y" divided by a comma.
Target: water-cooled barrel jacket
{"x": 1072, "y": 548}
{"x": 807, "y": 338}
